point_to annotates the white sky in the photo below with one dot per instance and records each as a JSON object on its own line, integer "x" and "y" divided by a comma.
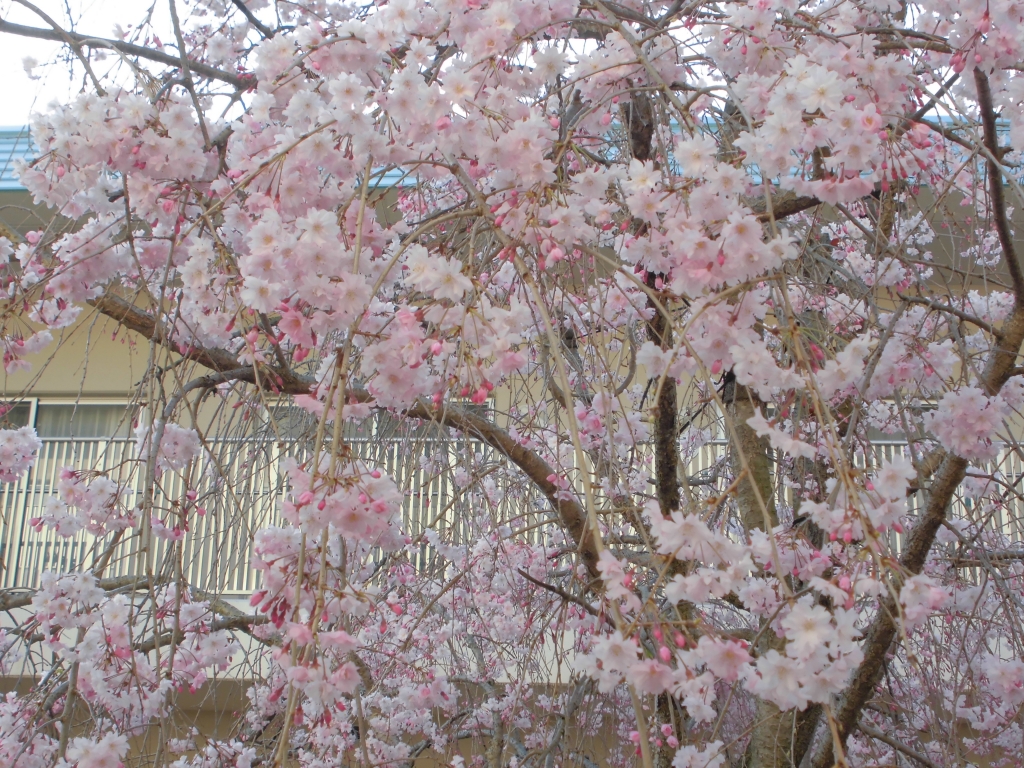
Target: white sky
{"x": 21, "y": 95}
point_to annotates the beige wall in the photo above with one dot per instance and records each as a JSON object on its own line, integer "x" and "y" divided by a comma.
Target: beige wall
{"x": 92, "y": 359}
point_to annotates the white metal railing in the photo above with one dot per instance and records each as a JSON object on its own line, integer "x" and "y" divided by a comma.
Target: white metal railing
{"x": 241, "y": 485}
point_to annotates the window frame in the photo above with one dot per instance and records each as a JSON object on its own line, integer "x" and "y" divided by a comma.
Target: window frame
{"x": 35, "y": 403}
{"x": 32, "y": 403}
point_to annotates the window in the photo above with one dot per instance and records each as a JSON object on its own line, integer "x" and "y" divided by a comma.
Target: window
{"x": 83, "y": 420}
{"x": 16, "y": 415}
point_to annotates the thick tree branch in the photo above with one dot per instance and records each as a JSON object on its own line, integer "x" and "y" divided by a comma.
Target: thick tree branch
{"x": 783, "y": 205}
{"x": 952, "y": 469}
{"x": 1000, "y": 556}
{"x": 947, "y": 479}
{"x": 11, "y": 599}
{"x": 665, "y": 415}
{"x": 786, "y": 205}
{"x": 130, "y": 316}
{"x": 639, "y": 114}
{"x": 570, "y": 512}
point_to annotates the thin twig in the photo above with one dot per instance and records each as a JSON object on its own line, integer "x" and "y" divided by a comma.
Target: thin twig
{"x": 867, "y": 730}
{"x": 76, "y": 38}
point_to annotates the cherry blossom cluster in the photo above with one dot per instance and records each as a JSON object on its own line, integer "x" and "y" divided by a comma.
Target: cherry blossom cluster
{"x": 702, "y": 324}
{"x": 18, "y": 449}
{"x": 98, "y": 506}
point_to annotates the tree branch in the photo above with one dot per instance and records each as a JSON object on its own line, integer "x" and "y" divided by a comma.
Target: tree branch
{"x": 239, "y": 81}
{"x": 128, "y": 315}
{"x": 570, "y": 512}
{"x": 560, "y": 592}
{"x": 186, "y": 72}
{"x": 11, "y": 599}
{"x": 783, "y": 205}
{"x": 947, "y": 479}
{"x": 260, "y": 26}
{"x": 243, "y": 622}
{"x": 1003, "y": 555}
{"x": 867, "y": 730}
{"x": 940, "y": 307}
{"x": 995, "y": 182}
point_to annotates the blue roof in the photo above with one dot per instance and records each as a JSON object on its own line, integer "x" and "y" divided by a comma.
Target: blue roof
{"x": 15, "y": 144}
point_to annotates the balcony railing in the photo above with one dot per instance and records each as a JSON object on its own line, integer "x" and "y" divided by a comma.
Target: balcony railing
{"x": 241, "y": 485}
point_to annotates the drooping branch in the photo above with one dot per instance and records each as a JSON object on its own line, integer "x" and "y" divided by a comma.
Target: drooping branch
{"x": 570, "y": 512}
{"x": 561, "y": 593}
{"x": 995, "y": 183}
{"x": 967, "y": 317}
